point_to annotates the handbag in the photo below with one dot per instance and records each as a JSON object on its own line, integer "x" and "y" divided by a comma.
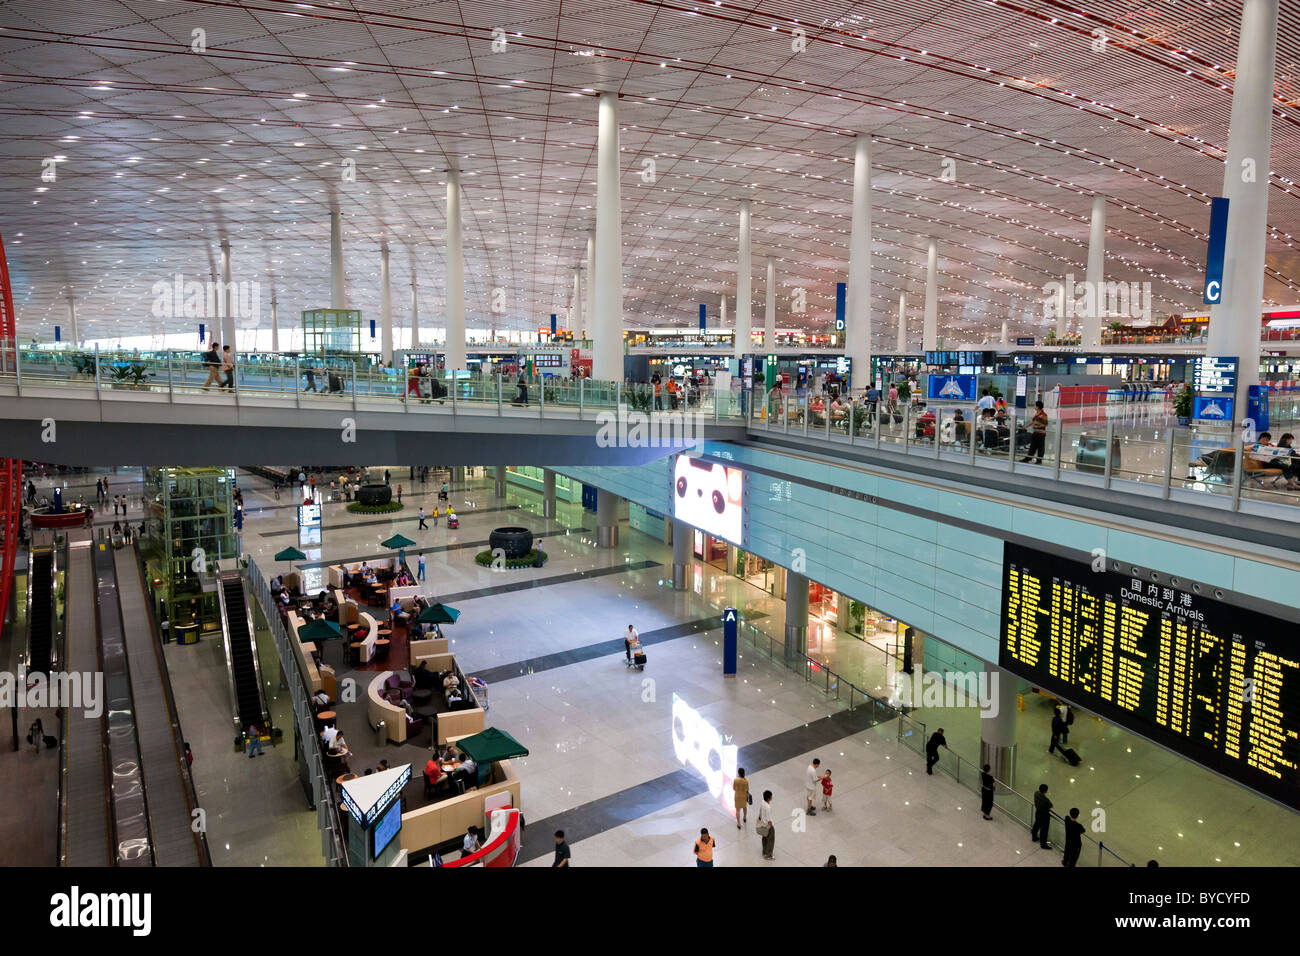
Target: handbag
{"x": 762, "y": 827}
{"x": 749, "y": 799}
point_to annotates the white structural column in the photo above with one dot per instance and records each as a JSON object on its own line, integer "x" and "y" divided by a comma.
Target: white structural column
{"x": 275, "y": 324}
{"x": 769, "y": 311}
{"x": 415, "y": 310}
{"x": 74, "y": 335}
{"x": 591, "y": 281}
{"x": 744, "y": 292}
{"x": 1091, "y": 334}
{"x": 1234, "y": 322}
{"x": 337, "y": 297}
{"x": 902, "y": 323}
{"x": 455, "y": 347}
{"x": 930, "y": 331}
{"x": 722, "y": 312}
{"x": 1062, "y": 320}
{"x": 857, "y": 319}
{"x": 1003, "y": 341}
{"x": 227, "y": 299}
{"x": 385, "y": 304}
{"x": 575, "y": 314}
{"x": 607, "y": 322}
{"x": 683, "y": 537}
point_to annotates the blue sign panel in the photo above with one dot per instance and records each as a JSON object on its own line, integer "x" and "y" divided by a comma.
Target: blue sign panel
{"x": 202, "y": 332}
{"x": 841, "y": 295}
{"x": 372, "y": 328}
{"x": 954, "y": 388}
{"x": 704, "y": 318}
{"x": 1218, "y": 243}
{"x": 1025, "y": 340}
{"x": 58, "y": 334}
{"x": 552, "y": 323}
{"x": 730, "y": 628}
{"x": 1212, "y": 408}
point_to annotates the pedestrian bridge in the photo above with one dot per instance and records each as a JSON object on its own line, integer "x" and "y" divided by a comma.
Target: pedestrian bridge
{"x": 161, "y": 413}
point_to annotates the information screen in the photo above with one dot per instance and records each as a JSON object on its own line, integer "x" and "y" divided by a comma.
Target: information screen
{"x": 387, "y": 827}
{"x": 1217, "y": 683}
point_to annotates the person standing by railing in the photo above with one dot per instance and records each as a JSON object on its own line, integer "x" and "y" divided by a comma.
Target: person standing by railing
{"x": 986, "y": 792}
{"x": 1037, "y": 434}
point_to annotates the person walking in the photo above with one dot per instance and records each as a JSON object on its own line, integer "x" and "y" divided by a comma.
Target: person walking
{"x": 630, "y": 639}
{"x": 420, "y": 566}
{"x": 562, "y": 854}
{"x": 1037, "y": 434}
{"x": 1069, "y": 722}
{"x": 423, "y": 526}
{"x": 831, "y": 862}
{"x": 99, "y": 490}
{"x": 189, "y": 756}
{"x": 704, "y": 848}
{"x": 211, "y": 362}
{"x": 986, "y": 792}
{"x": 765, "y": 827}
{"x": 812, "y": 782}
{"x": 1073, "y": 838}
{"x": 254, "y": 741}
{"x": 228, "y": 368}
{"x": 435, "y": 515}
{"x": 740, "y": 787}
{"x": 399, "y": 494}
{"x": 1042, "y": 817}
{"x": 932, "y": 746}
{"x": 36, "y": 734}
{"x": 1058, "y": 728}
{"x": 388, "y": 478}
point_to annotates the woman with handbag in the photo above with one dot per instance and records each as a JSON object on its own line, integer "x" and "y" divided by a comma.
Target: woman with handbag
{"x": 766, "y": 826}
{"x": 741, "y": 788}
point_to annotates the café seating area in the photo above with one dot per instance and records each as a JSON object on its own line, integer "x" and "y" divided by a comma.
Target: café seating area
{"x": 407, "y": 702}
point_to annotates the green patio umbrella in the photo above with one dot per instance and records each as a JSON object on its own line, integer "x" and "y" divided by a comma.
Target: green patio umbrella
{"x": 319, "y": 630}
{"x": 491, "y": 745}
{"x": 396, "y": 541}
{"x": 291, "y": 555}
{"x": 438, "y": 614}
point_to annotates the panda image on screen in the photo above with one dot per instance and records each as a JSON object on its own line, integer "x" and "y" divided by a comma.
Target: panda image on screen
{"x": 709, "y": 496}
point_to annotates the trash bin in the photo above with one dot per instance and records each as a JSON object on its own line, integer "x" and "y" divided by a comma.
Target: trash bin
{"x": 1091, "y": 455}
{"x": 381, "y": 733}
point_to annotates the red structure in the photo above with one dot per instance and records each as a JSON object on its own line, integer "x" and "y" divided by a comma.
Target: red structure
{"x": 11, "y": 469}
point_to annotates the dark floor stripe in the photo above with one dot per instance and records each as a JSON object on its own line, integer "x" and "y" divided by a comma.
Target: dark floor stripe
{"x": 435, "y": 549}
{"x": 546, "y": 582}
{"x": 533, "y": 665}
{"x": 646, "y": 798}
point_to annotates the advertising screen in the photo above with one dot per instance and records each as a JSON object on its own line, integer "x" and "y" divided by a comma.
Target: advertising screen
{"x": 309, "y": 516}
{"x": 1217, "y": 683}
{"x": 709, "y": 496}
{"x": 387, "y": 827}
{"x": 954, "y": 388}
{"x": 1212, "y": 408}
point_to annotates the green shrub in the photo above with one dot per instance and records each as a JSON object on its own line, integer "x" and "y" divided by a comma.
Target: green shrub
{"x": 357, "y": 508}
{"x": 527, "y": 561}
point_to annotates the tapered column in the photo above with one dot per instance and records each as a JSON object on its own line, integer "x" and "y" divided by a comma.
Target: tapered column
{"x": 500, "y": 473}
{"x": 1091, "y": 332}
{"x": 1003, "y": 340}
{"x": 930, "y": 331}
{"x": 606, "y": 519}
{"x": 275, "y": 324}
{"x": 857, "y": 320}
{"x": 1235, "y": 321}
{"x": 591, "y": 282}
{"x": 683, "y": 537}
{"x": 337, "y": 298}
{"x": 575, "y": 314}
{"x": 769, "y": 310}
{"x": 722, "y": 312}
{"x": 455, "y": 348}
{"x": 548, "y": 493}
{"x": 998, "y": 719}
{"x": 74, "y": 334}
{"x": 796, "y": 614}
{"x": 385, "y": 305}
{"x": 744, "y": 296}
{"x": 415, "y": 311}
{"x": 227, "y": 299}
{"x": 607, "y": 349}
{"x": 902, "y": 323}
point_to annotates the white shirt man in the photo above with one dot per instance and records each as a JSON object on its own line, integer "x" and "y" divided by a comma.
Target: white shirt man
{"x": 812, "y": 781}
{"x": 630, "y": 639}
{"x": 986, "y": 401}
{"x": 329, "y": 735}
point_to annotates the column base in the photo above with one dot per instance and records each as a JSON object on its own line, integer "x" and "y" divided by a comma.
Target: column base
{"x": 548, "y": 507}
{"x": 796, "y": 640}
{"x": 607, "y": 536}
{"x": 501, "y": 489}
{"x": 1001, "y": 760}
{"x": 681, "y": 573}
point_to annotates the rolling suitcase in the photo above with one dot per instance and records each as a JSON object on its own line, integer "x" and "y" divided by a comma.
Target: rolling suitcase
{"x": 1071, "y": 756}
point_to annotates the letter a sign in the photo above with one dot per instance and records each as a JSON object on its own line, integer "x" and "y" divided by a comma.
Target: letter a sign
{"x": 729, "y": 641}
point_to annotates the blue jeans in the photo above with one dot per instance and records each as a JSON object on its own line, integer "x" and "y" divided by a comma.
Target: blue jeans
{"x": 421, "y": 572}
{"x": 254, "y": 746}
{"x": 703, "y": 862}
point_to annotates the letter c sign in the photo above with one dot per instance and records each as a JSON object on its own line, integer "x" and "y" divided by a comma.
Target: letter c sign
{"x": 1213, "y": 291}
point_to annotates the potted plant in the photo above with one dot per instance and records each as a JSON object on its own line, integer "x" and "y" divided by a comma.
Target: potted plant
{"x": 1183, "y": 405}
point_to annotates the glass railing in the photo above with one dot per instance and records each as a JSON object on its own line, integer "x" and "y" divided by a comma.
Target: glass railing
{"x": 1007, "y": 801}
{"x": 315, "y": 382}
{"x": 1134, "y": 445}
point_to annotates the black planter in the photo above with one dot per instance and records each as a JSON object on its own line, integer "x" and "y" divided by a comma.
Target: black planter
{"x": 375, "y": 495}
{"x": 515, "y": 542}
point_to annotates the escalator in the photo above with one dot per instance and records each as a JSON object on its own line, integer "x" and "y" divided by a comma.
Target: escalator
{"x": 248, "y": 703}
{"x": 40, "y": 611}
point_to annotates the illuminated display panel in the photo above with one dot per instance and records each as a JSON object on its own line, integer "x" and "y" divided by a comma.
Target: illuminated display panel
{"x": 387, "y": 828}
{"x": 1219, "y": 684}
{"x": 709, "y": 496}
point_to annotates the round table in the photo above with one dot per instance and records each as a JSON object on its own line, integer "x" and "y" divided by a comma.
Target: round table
{"x": 345, "y": 777}
{"x": 326, "y": 717}
{"x": 381, "y": 647}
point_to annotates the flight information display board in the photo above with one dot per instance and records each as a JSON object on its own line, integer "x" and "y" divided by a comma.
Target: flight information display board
{"x": 1217, "y": 683}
